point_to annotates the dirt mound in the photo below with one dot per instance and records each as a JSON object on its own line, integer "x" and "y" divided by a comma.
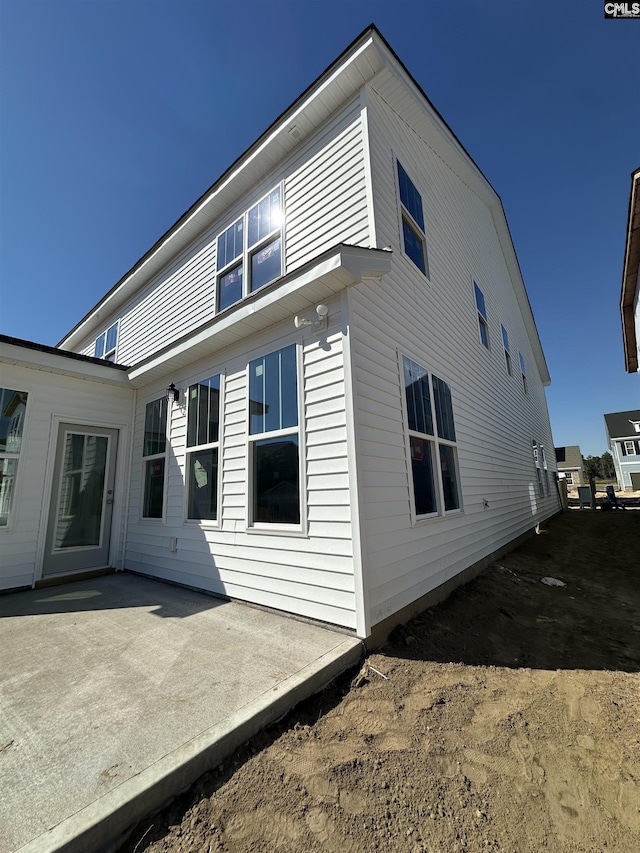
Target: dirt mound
{"x": 506, "y": 719}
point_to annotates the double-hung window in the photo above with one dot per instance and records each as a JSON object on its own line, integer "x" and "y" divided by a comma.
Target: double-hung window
{"x": 412, "y": 216}
{"x": 13, "y": 406}
{"x": 507, "y": 354}
{"x": 249, "y": 252}
{"x": 432, "y": 442}
{"x": 523, "y": 373}
{"x": 106, "y": 344}
{"x": 203, "y": 436}
{"x": 630, "y": 448}
{"x": 537, "y": 461}
{"x": 274, "y": 458}
{"x": 154, "y": 453}
{"x": 483, "y": 323}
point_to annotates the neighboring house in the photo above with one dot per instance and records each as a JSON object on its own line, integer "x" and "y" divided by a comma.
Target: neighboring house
{"x": 333, "y": 402}
{"x": 570, "y": 463}
{"x": 630, "y": 300}
{"x": 623, "y": 438}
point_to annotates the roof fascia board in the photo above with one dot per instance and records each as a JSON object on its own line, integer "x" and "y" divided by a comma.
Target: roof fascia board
{"x": 630, "y": 272}
{"x": 187, "y": 225}
{"x": 23, "y": 356}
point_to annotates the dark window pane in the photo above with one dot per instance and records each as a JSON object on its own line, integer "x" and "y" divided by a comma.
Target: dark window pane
{"x": 273, "y": 391}
{"x": 276, "y": 481}
{"x": 410, "y": 197}
{"x": 230, "y": 288}
{"x": 153, "y": 488}
{"x": 508, "y": 360}
{"x": 449, "y": 477}
{"x": 155, "y": 427}
{"x": 413, "y": 246}
{"x": 203, "y": 418}
{"x": 480, "y": 303}
{"x": 112, "y": 338}
{"x": 416, "y": 382}
{"x": 444, "y": 409}
{"x": 202, "y": 484}
{"x": 12, "y": 408}
{"x": 424, "y": 491}
{"x": 505, "y": 338}
{"x": 99, "y": 350}
{"x": 484, "y": 334}
{"x": 229, "y": 245}
{"x": 266, "y": 265}
{"x": 522, "y": 363}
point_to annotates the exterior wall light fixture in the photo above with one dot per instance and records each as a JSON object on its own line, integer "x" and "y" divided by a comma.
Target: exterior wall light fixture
{"x": 318, "y": 322}
{"x": 173, "y": 395}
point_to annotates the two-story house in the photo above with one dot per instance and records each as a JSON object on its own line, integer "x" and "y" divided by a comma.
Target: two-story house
{"x": 570, "y": 463}
{"x": 623, "y": 440}
{"x": 322, "y": 390}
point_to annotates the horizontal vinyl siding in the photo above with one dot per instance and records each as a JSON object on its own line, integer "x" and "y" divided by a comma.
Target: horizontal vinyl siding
{"x": 435, "y": 323}
{"x": 72, "y": 400}
{"x": 310, "y": 575}
{"x": 325, "y": 204}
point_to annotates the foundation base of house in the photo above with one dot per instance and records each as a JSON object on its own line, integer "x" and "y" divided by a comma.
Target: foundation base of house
{"x": 72, "y": 578}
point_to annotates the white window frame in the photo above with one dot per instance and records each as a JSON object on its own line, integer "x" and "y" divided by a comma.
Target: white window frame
{"x": 507, "y": 352}
{"x": 101, "y": 344}
{"x": 271, "y": 528}
{"x": 405, "y": 215}
{"x": 248, "y": 251}
{"x": 569, "y": 477}
{"x": 13, "y": 456}
{"x": 189, "y": 449}
{"x": 537, "y": 461}
{"x": 631, "y": 444}
{"x": 483, "y": 320}
{"x": 151, "y": 458}
{"x": 433, "y": 441}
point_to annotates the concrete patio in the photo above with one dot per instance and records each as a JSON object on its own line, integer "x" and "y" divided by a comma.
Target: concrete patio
{"x": 118, "y": 692}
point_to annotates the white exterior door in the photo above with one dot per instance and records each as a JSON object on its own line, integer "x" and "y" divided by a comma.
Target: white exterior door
{"x": 79, "y": 525}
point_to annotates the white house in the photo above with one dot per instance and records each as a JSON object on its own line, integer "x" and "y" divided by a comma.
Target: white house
{"x": 332, "y": 401}
{"x": 623, "y": 439}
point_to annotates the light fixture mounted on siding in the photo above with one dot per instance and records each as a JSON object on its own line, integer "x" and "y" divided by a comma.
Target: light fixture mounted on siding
{"x": 173, "y": 395}
{"x": 319, "y": 322}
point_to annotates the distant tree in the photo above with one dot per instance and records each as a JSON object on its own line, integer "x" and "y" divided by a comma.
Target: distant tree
{"x": 593, "y": 467}
{"x": 607, "y": 466}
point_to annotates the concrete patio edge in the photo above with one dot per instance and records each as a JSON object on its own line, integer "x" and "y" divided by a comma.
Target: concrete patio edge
{"x": 101, "y": 826}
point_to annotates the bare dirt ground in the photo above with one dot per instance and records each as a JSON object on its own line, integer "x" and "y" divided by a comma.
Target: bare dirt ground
{"x": 506, "y": 719}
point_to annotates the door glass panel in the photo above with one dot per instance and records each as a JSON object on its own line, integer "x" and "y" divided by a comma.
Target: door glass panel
{"x": 80, "y": 503}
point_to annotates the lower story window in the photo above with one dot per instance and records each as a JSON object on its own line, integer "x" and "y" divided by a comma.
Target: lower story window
{"x": 13, "y": 406}
{"x": 274, "y": 439}
{"x": 154, "y": 453}
{"x": 432, "y": 442}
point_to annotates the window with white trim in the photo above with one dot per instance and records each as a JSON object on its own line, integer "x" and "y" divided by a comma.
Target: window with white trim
{"x": 414, "y": 239}
{"x": 483, "y": 324}
{"x": 523, "y": 373}
{"x": 203, "y": 445}
{"x": 569, "y": 477}
{"x": 538, "y": 466}
{"x": 154, "y": 454}
{"x": 13, "y": 407}
{"x": 249, "y": 252}
{"x": 274, "y": 457}
{"x": 107, "y": 343}
{"x": 545, "y": 470}
{"x": 630, "y": 448}
{"x": 507, "y": 354}
{"x": 432, "y": 442}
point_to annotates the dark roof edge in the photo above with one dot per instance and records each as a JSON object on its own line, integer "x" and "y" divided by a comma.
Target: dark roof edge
{"x": 628, "y": 329}
{"x": 89, "y": 359}
{"x": 369, "y": 29}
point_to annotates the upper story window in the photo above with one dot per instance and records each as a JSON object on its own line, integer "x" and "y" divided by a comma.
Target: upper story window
{"x": 203, "y": 442}
{"x": 413, "y": 233}
{"x": 154, "y": 452}
{"x": 249, "y": 252}
{"x": 13, "y": 406}
{"x": 274, "y": 439}
{"x": 507, "y": 354}
{"x": 107, "y": 343}
{"x": 483, "y": 325}
{"x": 630, "y": 448}
{"x": 432, "y": 442}
{"x": 523, "y": 373}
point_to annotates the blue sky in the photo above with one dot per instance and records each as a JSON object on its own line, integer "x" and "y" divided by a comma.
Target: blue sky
{"x": 117, "y": 114}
